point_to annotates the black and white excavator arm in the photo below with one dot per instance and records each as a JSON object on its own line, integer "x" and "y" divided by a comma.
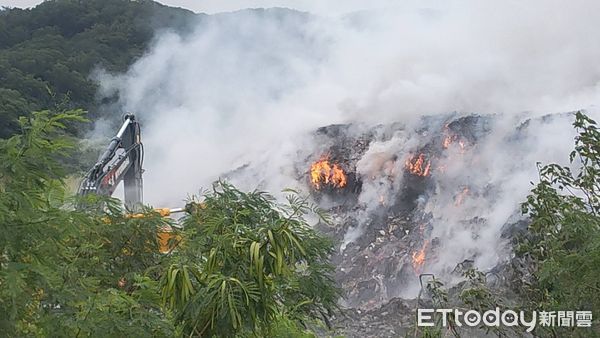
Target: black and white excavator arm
{"x": 121, "y": 162}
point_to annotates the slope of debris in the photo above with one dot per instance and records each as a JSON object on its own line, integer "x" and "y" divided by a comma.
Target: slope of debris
{"x": 433, "y": 198}
{"x": 415, "y": 201}
{"x": 392, "y": 225}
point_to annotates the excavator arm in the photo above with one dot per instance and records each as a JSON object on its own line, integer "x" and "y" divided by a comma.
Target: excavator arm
{"x": 121, "y": 162}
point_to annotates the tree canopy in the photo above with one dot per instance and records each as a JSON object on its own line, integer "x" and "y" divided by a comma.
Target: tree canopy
{"x": 564, "y": 235}
{"x": 47, "y": 53}
{"x": 245, "y": 264}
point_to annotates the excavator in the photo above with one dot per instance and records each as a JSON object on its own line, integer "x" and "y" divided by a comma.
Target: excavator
{"x": 122, "y": 161}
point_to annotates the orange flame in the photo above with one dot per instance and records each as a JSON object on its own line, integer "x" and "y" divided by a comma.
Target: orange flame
{"x": 449, "y": 139}
{"x": 418, "y": 165}
{"x": 418, "y": 258}
{"x": 324, "y": 173}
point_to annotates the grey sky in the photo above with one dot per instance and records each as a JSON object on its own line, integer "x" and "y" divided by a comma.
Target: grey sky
{"x": 213, "y": 6}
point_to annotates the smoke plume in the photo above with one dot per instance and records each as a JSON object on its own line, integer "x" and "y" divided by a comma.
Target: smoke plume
{"x": 242, "y": 94}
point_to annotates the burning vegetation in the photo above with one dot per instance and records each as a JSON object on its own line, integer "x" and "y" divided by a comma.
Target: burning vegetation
{"x": 324, "y": 173}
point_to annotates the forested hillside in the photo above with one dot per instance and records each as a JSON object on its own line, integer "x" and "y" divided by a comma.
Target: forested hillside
{"x": 47, "y": 53}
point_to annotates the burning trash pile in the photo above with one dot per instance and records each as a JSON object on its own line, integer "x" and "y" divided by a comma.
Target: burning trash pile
{"x": 425, "y": 200}
{"x": 419, "y": 199}
{"x": 419, "y": 207}
{"x": 387, "y": 230}
{"x": 324, "y": 174}
{"x": 418, "y": 165}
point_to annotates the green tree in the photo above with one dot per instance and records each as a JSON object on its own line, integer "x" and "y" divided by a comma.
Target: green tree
{"x": 54, "y": 48}
{"x": 564, "y": 240}
{"x": 245, "y": 265}
{"x": 65, "y": 272}
{"x": 245, "y": 262}
{"x": 13, "y": 105}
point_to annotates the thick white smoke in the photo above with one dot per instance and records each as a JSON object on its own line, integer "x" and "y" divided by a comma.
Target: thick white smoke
{"x": 247, "y": 88}
{"x": 245, "y": 83}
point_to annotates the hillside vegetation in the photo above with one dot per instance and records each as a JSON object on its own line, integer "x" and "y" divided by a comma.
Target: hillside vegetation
{"x": 48, "y": 53}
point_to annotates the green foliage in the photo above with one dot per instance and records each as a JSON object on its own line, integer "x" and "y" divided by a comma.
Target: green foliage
{"x": 48, "y": 53}
{"x": 245, "y": 261}
{"x": 439, "y": 296}
{"x": 562, "y": 245}
{"x": 65, "y": 272}
{"x": 475, "y": 294}
{"x": 283, "y": 326}
{"x": 246, "y": 265}
{"x": 565, "y": 230}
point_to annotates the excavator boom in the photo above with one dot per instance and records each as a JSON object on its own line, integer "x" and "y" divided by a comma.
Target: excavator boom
{"x": 121, "y": 162}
